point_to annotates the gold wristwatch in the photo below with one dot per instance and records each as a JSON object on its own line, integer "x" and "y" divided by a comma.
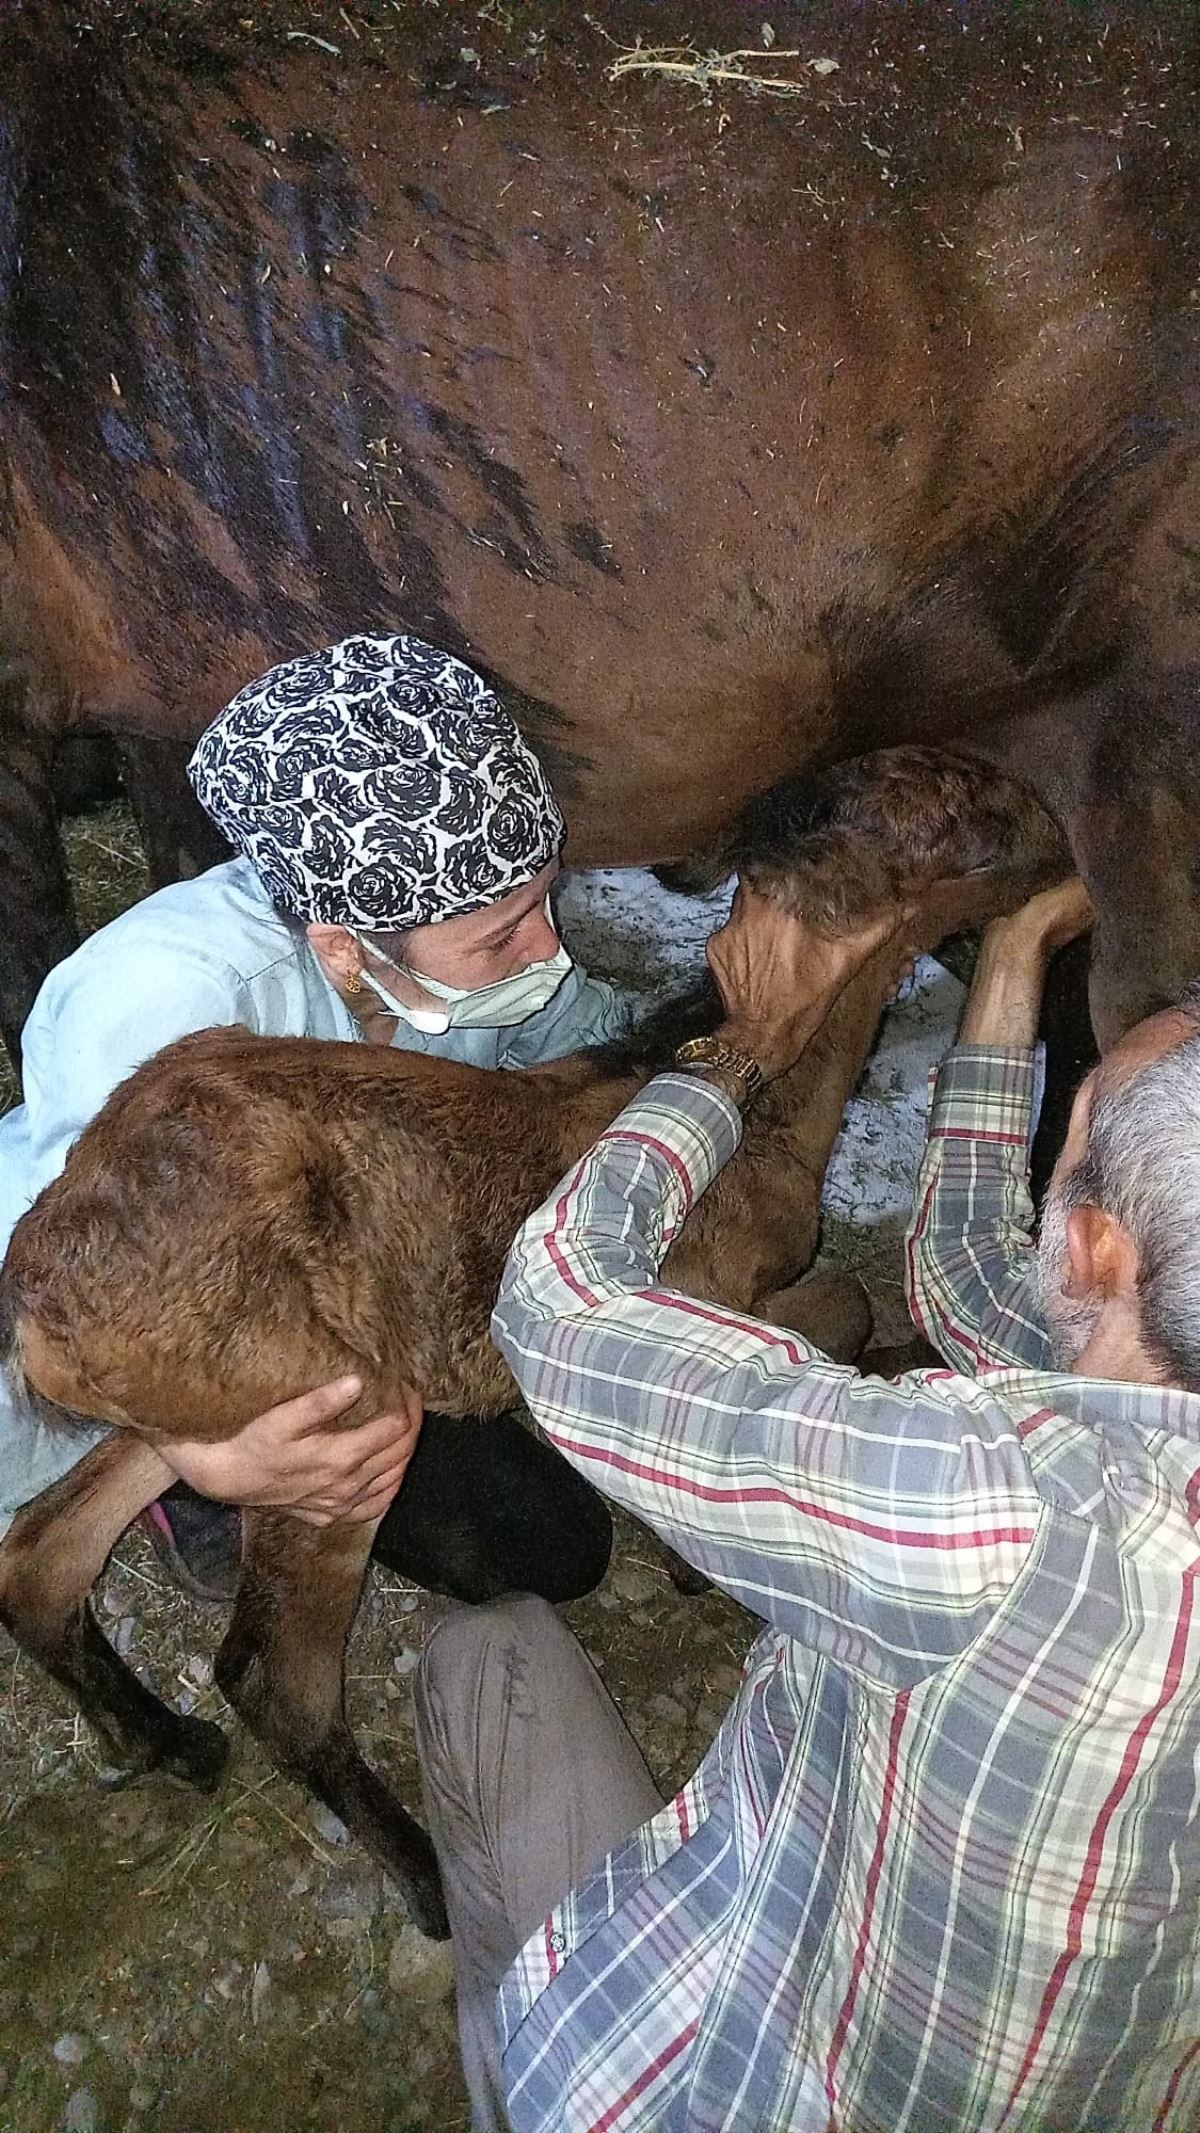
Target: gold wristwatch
{"x": 724, "y": 1059}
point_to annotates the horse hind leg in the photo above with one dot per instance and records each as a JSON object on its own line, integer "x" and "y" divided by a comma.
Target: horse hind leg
{"x": 178, "y": 838}
{"x": 50, "y": 1558}
{"x": 282, "y": 1668}
{"x": 37, "y": 917}
{"x": 86, "y": 773}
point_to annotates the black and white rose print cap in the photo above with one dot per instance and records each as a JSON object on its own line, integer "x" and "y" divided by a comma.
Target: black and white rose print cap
{"x": 379, "y": 784}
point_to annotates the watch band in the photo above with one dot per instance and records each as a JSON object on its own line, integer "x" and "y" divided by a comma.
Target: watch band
{"x": 714, "y": 1052}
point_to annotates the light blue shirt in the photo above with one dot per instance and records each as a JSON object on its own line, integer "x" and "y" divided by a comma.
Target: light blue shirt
{"x": 200, "y": 954}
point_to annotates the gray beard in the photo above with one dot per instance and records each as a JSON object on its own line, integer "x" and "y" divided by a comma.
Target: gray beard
{"x": 1070, "y": 1320}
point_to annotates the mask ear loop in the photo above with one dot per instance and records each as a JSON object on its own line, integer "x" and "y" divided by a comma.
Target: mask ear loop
{"x": 430, "y": 1021}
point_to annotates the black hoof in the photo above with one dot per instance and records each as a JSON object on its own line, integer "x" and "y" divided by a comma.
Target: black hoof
{"x": 427, "y": 1905}
{"x": 413, "y": 1866}
{"x": 685, "y": 1580}
{"x": 192, "y": 1752}
{"x": 197, "y": 1756}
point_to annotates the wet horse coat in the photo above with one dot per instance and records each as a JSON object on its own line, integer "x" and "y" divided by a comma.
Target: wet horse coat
{"x": 729, "y": 435}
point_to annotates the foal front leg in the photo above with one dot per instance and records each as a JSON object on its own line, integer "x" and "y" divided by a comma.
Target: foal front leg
{"x": 282, "y": 1667}
{"x": 50, "y": 1558}
{"x": 830, "y": 1308}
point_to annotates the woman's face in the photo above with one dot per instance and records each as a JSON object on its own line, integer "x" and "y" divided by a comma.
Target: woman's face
{"x": 482, "y": 946}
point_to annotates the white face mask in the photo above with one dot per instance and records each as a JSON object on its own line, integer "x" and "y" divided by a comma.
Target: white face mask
{"x": 495, "y": 1006}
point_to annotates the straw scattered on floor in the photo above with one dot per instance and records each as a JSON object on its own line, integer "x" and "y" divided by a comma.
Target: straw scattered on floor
{"x": 744, "y": 68}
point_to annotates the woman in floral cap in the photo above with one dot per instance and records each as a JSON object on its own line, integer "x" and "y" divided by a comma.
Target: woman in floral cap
{"x": 396, "y": 843}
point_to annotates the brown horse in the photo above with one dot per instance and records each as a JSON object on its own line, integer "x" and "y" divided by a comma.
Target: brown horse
{"x": 730, "y": 433}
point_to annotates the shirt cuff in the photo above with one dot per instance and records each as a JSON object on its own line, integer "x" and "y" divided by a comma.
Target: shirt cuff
{"x": 691, "y": 1121}
{"x": 986, "y": 1092}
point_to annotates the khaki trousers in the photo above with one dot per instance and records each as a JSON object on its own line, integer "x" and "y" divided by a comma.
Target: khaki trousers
{"x": 530, "y": 1779}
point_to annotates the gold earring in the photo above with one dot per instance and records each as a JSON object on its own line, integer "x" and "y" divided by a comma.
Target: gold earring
{"x": 354, "y": 982}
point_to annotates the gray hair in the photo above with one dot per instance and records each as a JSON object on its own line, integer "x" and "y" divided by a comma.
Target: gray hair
{"x": 1142, "y": 1165}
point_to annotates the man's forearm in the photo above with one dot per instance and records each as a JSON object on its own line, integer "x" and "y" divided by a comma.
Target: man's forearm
{"x": 1005, "y": 1002}
{"x": 969, "y": 1260}
{"x": 968, "y": 1257}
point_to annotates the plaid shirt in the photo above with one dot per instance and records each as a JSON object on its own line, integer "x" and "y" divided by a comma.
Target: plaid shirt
{"x": 939, "y": 1870}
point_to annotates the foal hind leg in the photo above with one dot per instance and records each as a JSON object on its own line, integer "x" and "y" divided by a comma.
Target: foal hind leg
{"x": 50, "y": 1558}
{"x": 282, "y": 1667}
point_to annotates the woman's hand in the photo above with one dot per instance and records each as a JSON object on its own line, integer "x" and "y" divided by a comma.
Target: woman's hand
{"x": 292, "y": 1459}
{"x": 778, "y": 977}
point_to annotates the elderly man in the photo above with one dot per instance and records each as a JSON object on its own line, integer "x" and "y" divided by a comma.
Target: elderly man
{"x": 937, "y": 1872}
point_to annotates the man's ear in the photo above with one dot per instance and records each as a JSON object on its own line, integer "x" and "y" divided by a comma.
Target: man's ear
{"x": 1101, "y": 1255}
{"x": 336, "y": 950}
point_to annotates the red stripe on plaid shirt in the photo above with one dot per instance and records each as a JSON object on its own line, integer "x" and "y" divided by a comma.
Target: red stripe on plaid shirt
{"x": 704, "y": 1492}
{"x": 562, "y": 1208}
{"x": 842, "y": 2028}
{"x": 959, "y": 1333}
{"x": 650, "y": 1140}
{"x": 672, "y": 1301}
{"x": 650, "y": 2073}
{"x": 1029, "y": 1423}
{"x": 562, "y": 1264}
{"x": 976, "y": 1133}
{"x": 1095, "y": 1851}
{"x": 1164, "y": 2116}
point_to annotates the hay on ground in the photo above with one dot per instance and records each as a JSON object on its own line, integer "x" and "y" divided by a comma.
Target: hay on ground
{"x": 741, "y": 69}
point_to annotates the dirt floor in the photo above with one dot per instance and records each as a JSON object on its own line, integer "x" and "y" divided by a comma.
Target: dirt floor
{"x": 232, "y": 1965}
{"x": 178, "y": 1964}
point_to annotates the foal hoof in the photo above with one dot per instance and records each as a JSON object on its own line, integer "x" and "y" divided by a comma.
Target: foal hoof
{"x": 426, "y": 1905}
{"x": 197, "y": 1755}
{"x": 413, "y": 1865}
{"x": 192, "y": 1751}
{"x": 691, "y": 1583}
